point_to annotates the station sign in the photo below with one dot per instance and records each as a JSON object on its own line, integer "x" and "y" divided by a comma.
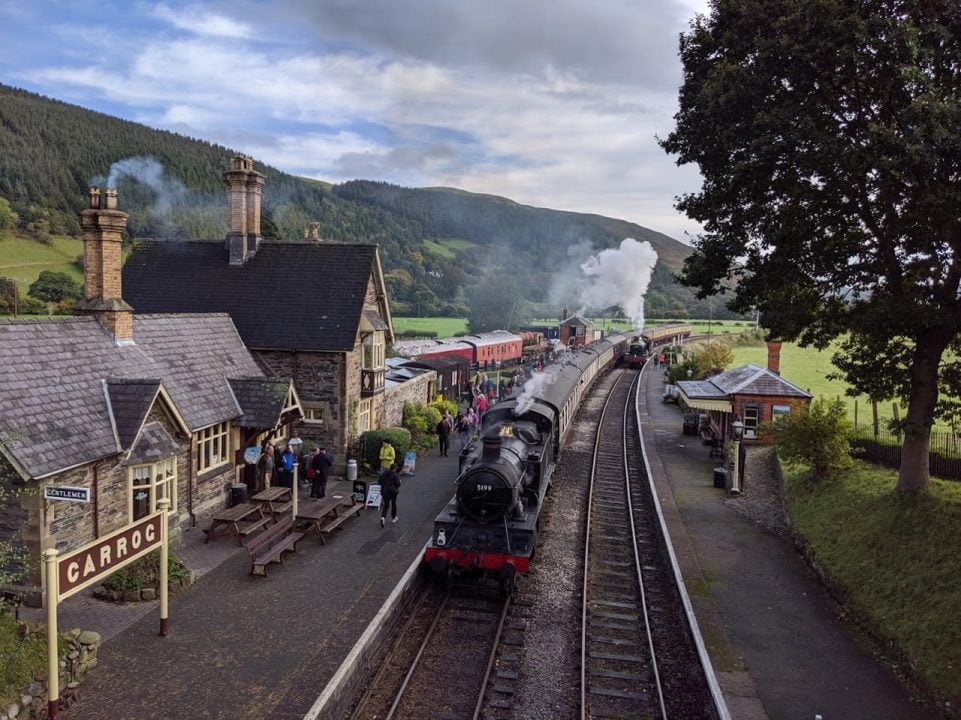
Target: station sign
{"x": 92, "y": 562}
{"x": 63, "y": 492}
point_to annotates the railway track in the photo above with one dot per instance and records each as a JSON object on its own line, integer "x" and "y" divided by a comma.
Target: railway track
{"x": 638, "y": 655}
{"x": 446, "y": 673}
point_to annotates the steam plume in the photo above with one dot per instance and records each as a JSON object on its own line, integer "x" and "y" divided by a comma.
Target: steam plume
{"x": 619, "y": 276}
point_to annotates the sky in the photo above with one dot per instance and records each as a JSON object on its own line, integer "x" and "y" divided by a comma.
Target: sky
{"x": 553, "y": 103}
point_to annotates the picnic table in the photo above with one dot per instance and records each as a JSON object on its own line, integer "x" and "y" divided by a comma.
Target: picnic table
{"x": 324, "y": 515}
{"x": 276, "y": 499}
{"x": 241, "y": 520}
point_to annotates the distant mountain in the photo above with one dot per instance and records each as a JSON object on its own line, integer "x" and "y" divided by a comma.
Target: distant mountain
{"x": 438, "y": 244}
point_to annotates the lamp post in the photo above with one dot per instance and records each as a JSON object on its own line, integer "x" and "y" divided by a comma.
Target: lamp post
{"x": 738, "y": 427}
{"x": 294, "y": 444}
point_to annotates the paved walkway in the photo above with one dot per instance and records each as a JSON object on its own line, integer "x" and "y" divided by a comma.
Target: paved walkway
{"x": 773, "y": 633}
{"x": 243, "y": 647}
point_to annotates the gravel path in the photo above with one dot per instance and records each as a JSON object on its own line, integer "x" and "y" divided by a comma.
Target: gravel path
{"x": 761, "y": 499}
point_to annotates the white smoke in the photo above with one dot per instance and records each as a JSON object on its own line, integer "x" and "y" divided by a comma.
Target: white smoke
{"x": 169, "y": 191}
{"x": 619, "y": 276}
{"x": 538, "y": 382}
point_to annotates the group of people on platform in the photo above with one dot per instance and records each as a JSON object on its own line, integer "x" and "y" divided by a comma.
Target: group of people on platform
{"x": 278, "y": 462}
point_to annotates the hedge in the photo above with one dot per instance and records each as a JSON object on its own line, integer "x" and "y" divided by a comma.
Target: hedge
{"x": 371, "y": 441}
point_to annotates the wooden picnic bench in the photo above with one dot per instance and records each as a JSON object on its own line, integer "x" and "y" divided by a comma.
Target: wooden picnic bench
{"x": 241, "y": 520}
{"x": 276, "y": 499}
{"x": 326, "y": 514}
{"x": 270, "y": 545}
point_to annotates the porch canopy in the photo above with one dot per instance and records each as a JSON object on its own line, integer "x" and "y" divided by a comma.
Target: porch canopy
{"x": 704, "y": 395}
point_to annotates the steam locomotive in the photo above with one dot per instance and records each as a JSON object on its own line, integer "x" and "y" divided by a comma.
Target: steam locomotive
{"x": 638, "y": 350}
{"x": 491, "y": 522}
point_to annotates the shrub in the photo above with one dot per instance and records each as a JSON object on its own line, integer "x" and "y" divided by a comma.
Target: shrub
{"x": 413, "y": 333}
{"x": 819, "y": 436}
{"x": 421, "y": 420}
{"x": 712, "y": 357}
{"x": 441, "y": 404}
{"x": 371, "y": 441}
{"x": 144, "y": 573}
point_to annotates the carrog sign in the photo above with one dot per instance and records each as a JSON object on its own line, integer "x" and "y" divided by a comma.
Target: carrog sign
{"x": 85, "y": 566}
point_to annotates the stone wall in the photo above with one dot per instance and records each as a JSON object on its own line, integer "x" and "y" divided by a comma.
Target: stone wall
{"x": 319, "y": 379}
{"x": 414, "y": 390}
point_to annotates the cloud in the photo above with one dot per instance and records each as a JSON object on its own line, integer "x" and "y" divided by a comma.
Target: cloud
{"x": 203, "y": 23}
{"x": 490, "y": 97}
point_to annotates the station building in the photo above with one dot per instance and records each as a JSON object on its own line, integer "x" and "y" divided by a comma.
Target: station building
{"x": 308, "y": 309}
{"x": 749, "y": 394}
{"x": 117, "y": 410}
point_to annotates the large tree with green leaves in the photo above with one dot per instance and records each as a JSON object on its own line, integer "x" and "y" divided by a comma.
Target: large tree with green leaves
{"x": 828, "y": 134}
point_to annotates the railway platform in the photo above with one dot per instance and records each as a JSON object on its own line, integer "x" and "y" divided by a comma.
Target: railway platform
{"x": 774, "y": 635}
{"x": 245, "y": 647}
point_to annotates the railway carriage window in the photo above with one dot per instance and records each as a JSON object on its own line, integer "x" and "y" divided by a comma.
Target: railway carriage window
{"x": 751, "y": 419}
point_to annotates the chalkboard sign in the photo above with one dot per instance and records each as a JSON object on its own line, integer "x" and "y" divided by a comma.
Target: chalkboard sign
{"x": 360, "y": 491}
{"x": 373, "y": 495}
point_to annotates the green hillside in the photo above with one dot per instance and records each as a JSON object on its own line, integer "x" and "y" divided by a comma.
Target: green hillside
{"x": 440, "y": 247}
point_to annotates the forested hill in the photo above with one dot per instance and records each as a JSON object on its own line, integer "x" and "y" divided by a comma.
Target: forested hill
{"x": 442, "y": 248}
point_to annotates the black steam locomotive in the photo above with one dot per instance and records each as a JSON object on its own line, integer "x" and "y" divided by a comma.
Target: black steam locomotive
{"x": 491, "y": 523}
{"x": 638, "y": 350}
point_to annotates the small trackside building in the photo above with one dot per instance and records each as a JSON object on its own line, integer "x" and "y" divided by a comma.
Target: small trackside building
{"x": 750, "y": 394}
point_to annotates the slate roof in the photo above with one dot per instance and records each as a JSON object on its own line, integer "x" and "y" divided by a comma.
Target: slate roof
{"x": 576, "y": 320}
{"x": 129, "y": 402}
{"x": 745, "y": 380}
{"x": 321, "y": 286}
{"x": 153, "y": 444}
{"x": 262, "y": 400}
{"x": 53, "y": 408}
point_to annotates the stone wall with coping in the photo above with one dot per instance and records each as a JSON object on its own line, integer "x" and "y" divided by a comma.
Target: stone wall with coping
{"x": 415, "y": 390}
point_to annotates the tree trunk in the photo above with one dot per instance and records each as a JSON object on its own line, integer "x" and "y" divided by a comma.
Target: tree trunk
{"x": 913, "y": 475}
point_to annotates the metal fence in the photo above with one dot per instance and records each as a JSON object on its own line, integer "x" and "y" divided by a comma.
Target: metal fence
{"x": 880, "y": 446}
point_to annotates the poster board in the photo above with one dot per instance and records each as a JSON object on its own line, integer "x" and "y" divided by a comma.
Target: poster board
{"x": 360, "y": 491}
{"x": 373, "y": 495}
{"x": 410, "y": 463}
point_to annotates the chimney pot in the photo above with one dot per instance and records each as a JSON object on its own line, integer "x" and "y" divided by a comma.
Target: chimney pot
{"x": 111, "y": 199}
{"x": 94, "y": 198}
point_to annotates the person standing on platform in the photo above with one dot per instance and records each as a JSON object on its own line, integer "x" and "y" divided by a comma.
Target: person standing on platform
{"x": 310, "y": 472}
{"x": 482, "y": 405}
{"x": 387, "y": 455}
{"x": 462, "y": 426}
{"x": 321, "y": 464}
{"x": 267, "y": 465}
{"x": 287, "y": 461}
{"x": 389, "y": 488}
{"x": 443, "y": 436}
{"x": 473, "y": 421}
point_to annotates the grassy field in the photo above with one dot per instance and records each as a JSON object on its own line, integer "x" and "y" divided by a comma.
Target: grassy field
{"x": 444, "y": 327}
{"x": 447, "y": 247}
{"x": 23, "y": 258}
{"x": 898, "y": 559}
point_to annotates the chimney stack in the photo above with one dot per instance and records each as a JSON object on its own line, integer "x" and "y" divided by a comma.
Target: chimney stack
{"x": 103, "y": 225}
{"x": 244, "y": 192}
{"x": 774, "y": 356}
{"x": 312, "y": 232}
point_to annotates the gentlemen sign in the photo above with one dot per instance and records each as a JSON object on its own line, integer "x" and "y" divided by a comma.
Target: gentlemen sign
{"x": 70, "y": 494}
{"x": 85, "y": 566}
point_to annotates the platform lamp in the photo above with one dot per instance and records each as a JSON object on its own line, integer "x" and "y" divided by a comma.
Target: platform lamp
{"x": 294, "y": 444}
{"x": 738, "y": 427}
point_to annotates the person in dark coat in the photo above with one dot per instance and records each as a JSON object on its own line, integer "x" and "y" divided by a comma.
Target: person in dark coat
{"x": 443, "y": 435}
{"x": 389, "y": 488}
{"x": 321, "y": 464}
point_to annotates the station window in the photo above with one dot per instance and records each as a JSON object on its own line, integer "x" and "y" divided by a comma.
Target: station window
{"x": 752, "y": 415}
{"x": 365, "y": 416}
{"x": 780, "y": 410}
{"x": 374, "y": 350}
{"x": 213, "y": 446}
{"x": 149, "y": 483}
{"x": 314, "y": 415}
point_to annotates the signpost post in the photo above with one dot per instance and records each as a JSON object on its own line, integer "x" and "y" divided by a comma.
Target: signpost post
{"x": 82, "y": 568}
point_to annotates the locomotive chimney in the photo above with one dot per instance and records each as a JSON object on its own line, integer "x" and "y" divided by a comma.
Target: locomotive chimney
{"x": 492, "y": 446}
{"x": 774, "y": 357}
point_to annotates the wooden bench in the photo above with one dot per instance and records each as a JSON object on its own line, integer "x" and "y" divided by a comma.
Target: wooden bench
{"x": 344, "y": 513}
{"x": 270, "y": 545}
